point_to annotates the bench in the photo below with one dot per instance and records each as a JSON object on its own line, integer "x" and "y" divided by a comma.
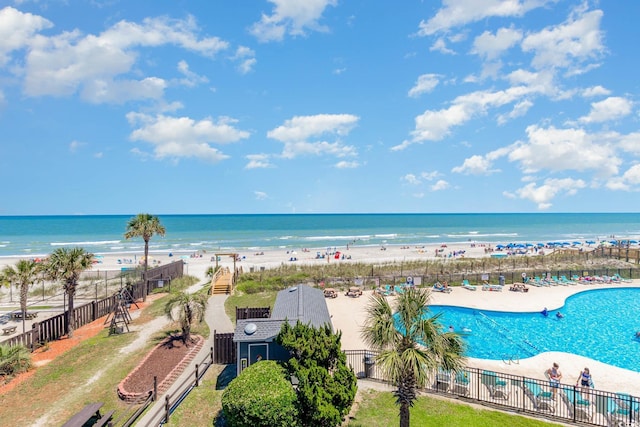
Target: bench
{"x": 105, "y": 419}
{"x": 90, "y": 411}
{"x": 9, "y": 330}
{"x": 29, "y": 315}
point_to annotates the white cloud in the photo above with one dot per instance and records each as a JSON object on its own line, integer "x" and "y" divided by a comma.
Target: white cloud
{"x": 491, "y": 46}
{"x": 75, "y": 146}
{"x": 455, "y": 13}
{"x": 183, "y": 137}
{"x": 246, "y": 59}
{"x": 426, "y": 83}
{"x": 97, "y": 65}
{"x": 296, "y": 132}
{"x": 411, "y": 179}
{"x": 595, "y": 91}
{"x": 347, "y": 165}
{"x": 611, "y": 108}
{"x": 555, "y": 150}
{"x": 577, "y": 40}
{"x": 519, "y": 110}
{"x": 543, "y": 195}
{"x": 190, "y": 79}
{"x": 441, "y": 46}
{"x": 260, "y": 195}
{"x": 481, "y": 165}
{"x": 258, "y": 161}
{"x": 630, "y": 143}
{"x": 17, "y": 30}
{"x": 440, "y": 185}
{"x": 434, "y": 125}
{"x": 292, "y": 17}
{"x": 475, "y": 165}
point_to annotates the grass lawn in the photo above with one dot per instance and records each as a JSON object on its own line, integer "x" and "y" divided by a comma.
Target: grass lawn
{"x": 378, "y": 409}
{"x": 89, "y": 372}
{"x": 203, "y": 404}
{"x": 261, "y": 299}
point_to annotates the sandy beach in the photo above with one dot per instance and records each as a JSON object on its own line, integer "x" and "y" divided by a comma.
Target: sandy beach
{"x": 348, "y": 313}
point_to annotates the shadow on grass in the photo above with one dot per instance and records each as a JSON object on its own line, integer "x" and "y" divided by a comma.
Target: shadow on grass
{"x": 225, "y": 377}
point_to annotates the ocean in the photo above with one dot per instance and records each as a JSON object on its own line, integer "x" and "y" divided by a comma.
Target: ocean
{"x": 104, "y": 234}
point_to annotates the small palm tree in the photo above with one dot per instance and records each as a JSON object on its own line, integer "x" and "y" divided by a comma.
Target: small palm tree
{"x": 410, "y": 345}
{"x": 145, "y": 226}
{"x": 66, "y": 265}
{"x": 14, "y": 359}
{"x": 23, "y": 274}
{"x": 187, "y": 309}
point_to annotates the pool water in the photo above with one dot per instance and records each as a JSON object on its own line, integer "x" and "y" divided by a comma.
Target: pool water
{"x": 599, "y": 324}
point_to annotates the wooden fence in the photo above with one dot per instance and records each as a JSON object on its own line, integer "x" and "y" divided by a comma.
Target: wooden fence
{"x": 252, "y": 313}
{"x": 224, "y": 350}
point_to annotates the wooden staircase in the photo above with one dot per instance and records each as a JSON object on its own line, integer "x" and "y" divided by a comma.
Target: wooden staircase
{"x": 222, "y": 282}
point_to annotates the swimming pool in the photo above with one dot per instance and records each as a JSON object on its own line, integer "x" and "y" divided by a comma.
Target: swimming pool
{"x": 599, "y": 324}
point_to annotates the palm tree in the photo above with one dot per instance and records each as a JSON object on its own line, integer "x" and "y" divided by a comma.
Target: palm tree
{"x": 187, "y": 309}
{"x": 145, "y": 226}
{"x": 410, "y": 345}
{"x": 24, "y": 274}
{"x": 66, "y": 265}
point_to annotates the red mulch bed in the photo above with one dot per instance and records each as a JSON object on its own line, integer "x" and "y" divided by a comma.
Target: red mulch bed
{"x": 160, "y": 363}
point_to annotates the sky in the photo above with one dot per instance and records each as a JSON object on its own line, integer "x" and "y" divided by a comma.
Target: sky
{"x": 318, "y": 106}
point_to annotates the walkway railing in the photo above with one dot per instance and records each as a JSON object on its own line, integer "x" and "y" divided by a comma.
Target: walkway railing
{"x": 515, "y": 393}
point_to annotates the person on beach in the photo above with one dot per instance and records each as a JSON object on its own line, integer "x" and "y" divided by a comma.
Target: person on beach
{"x": 554, "y": 375}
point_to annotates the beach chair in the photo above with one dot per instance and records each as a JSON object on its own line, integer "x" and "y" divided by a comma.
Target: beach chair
{"x": 555, "y": 280}
{"x": 580, "y": 408}
{"x": 626, "y": 401}
{"x": 496, "y": 386}
{"x": 469, "y": 286}
{"x": 537, "y": 281}
{"x": 461, "y": 384}
{"x": 617, "y": 278}
{"x": 443, "y": 381}
{"x": 490, "y": 287}
{"x": 617, "y": 415}
{"x": 438, "y": 287}
{"x": 398, "y": 289}
{"x": 542, "y": 400}
{"x": 563, "y": 279}
{"x": 389, "y": 290}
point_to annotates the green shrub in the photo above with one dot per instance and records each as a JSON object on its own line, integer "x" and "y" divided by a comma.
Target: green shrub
{"x": 261, "y": 396}
{"x": 13, "y": 360}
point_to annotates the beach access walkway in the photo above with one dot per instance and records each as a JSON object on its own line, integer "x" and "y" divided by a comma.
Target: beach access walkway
{"x": 217, "y": 319}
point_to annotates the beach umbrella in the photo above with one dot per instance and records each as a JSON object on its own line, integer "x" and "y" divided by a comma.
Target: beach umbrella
{"x": 633, "y": 242}
{"x": 590, "y": 242}
{"x": 540, "y": 245}
{"x": 577, "y": 243}
{"x": 529, "y": 245}
{"x": 499, "y": 246}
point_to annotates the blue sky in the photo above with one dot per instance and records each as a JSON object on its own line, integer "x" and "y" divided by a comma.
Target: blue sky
{"x": 289, "y": 106}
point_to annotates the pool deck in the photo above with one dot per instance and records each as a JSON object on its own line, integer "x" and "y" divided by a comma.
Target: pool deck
{"x": 348, "y": 314}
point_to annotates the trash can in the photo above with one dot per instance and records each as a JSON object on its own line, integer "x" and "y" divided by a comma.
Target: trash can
{"x": 369, "y": 362}
{"x": 501, "y": 280}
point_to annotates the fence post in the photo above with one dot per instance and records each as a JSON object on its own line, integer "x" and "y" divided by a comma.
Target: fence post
{"x": 214, "y": 344}
{"x": 197, "y": 379}
{"x": 155, "y": 388}
{"x": 167, "y": 407}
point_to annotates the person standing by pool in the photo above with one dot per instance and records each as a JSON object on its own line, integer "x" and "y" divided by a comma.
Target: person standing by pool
{"x": 585, "y": 379}
{"x": 554, "y": 375}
